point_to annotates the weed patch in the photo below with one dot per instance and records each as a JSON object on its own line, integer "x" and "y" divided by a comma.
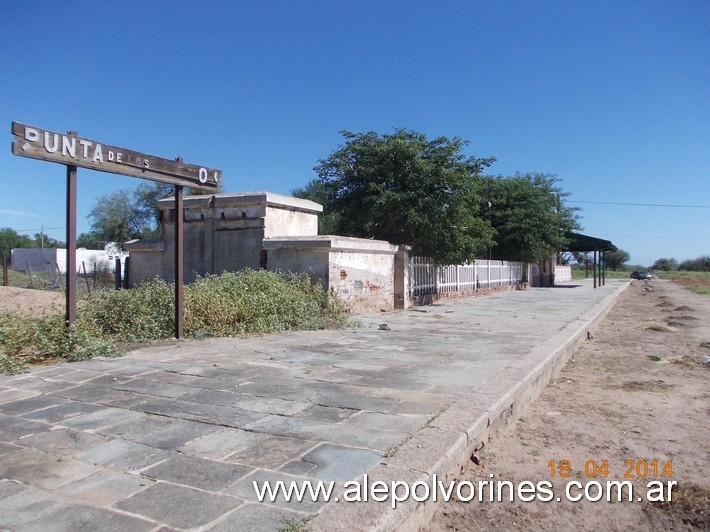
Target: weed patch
{"x": 690, "y": 507}
{"x": 659, "y": 326}
{"x": 232, "y": 304}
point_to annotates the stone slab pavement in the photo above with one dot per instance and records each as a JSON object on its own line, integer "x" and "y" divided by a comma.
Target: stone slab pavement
{"x": 173, "y": 436}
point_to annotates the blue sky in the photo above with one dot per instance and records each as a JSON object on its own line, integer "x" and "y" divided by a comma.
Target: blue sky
{"x": 610, "y": 96}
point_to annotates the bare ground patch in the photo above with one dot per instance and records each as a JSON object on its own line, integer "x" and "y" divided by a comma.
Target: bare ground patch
{"x": 28, "y": 301}
{"x": 632, "y": 393}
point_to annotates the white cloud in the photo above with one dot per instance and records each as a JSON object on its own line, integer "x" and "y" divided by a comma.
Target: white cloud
{"x": 24, "y": 214}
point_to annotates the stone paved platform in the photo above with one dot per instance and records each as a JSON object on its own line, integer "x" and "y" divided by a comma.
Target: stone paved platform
{"x": 172, "y": 436}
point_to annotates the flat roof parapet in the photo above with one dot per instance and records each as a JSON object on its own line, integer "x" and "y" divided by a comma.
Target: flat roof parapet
{"x": 330, "y": 243}
{"x": 239, "y": 199}
{"x": 140, "y": 244}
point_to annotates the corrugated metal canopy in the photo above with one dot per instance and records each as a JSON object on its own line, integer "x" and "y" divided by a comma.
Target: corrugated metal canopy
{"x": 580, "y": 243}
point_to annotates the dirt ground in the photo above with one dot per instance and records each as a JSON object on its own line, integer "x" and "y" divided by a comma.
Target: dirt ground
{"x": 637, "y": 390}
{"x": 28, "y": 301}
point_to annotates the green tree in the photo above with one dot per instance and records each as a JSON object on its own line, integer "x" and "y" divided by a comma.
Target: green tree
{"x": 125, "y": 215}
{"x": 700, "y": 264}
{"x": 407, "y": 189}
{"x": 616, "y": 259}
{"x": 91, "y": 240}
{"x": 665, "y": 265}
{"x": 10, "y": 239}
{"x": 116, "y": 218}
{"x": 46, "y": 241}
{"x": 315, "y": 191}
{"x": 529, "y": 216}
{"x": 146, "y": 200}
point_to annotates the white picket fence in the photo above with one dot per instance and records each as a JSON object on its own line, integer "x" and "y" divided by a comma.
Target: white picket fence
{"x": 563, "y": 274}
{"x": 426, "y": 278}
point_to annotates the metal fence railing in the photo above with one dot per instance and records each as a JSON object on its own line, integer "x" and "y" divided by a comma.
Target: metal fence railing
{"x": 427, "y": 278}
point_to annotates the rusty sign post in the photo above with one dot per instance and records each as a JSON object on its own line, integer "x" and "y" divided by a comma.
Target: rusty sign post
{"x": 71, "y": 245}
{"x": 73, "y": 151}
{"x": 178, "y": 261}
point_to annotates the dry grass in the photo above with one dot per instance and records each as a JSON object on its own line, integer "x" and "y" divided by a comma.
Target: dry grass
{"x": 690, "y": 505}
{"x": 656, "y": 325}
{"x": 685, "y": 360}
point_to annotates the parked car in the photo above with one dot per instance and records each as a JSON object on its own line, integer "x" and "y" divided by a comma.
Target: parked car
{"x": 641, "y": 275}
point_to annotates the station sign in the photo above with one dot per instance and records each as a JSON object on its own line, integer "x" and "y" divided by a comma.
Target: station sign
{"x": 70, "y": 149}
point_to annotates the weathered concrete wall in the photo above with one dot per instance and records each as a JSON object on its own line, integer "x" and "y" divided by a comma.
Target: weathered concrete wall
{"x": 359, "y": 271}
{"x": 283, "y": 221}
{"x": 146, "y": 259}
{"x": 221, "y": 232}
{"x": 40, "y": 260}
{"x": 542, "y": 274}
{"x": 363, "y": 279}
{"x": 47, "y": 260}
{"x": 231, "y": 232}
{"x": 289, "y": 257}
{"x": 402, "y": 278}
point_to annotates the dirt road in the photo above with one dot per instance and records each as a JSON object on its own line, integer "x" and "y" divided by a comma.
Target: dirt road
{"x": 634, "y": 399}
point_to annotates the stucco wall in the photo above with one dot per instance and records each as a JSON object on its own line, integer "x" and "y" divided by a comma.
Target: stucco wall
{"x": 252, "y": 230}
{"x": 221, "y": 232}
{"x": 359, "y": 271}
{"x": 282, "y": 221}
{"x": 363, "y": 279}
{"x": 145, "y": 262}
{"x": 313, "y": 262}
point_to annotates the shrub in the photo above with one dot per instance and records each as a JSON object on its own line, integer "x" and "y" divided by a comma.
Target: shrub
{"x": 242, "y": 303}
{"x": 26, "y": 340}
{"x": 251, "y": 302}
{"x": 143, "y": 313}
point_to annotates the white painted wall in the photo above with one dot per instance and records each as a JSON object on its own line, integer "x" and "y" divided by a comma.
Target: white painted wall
{"x": 47, "y": 260}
